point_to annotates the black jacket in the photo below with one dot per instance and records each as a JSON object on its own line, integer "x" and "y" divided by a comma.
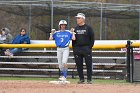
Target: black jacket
{"x": 84, "y": 36}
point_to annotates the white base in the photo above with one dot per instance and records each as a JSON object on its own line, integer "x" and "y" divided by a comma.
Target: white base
{"x": 59, "y": 82}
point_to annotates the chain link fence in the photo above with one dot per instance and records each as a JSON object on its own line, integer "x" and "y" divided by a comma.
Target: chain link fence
{"x": 38, "y": 17}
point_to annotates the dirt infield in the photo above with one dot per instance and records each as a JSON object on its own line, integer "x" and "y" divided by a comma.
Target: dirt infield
{"x": 18, "y": 86}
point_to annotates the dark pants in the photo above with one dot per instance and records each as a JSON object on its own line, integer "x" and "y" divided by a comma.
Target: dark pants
{"x": 80, "y": 53}
{"x": 2, "y": 51}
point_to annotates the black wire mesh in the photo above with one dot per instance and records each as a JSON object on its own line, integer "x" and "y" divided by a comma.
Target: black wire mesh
{"x": 107, "y": 19}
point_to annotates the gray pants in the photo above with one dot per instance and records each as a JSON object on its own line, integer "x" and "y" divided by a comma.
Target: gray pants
{"x": 62, "y": 56}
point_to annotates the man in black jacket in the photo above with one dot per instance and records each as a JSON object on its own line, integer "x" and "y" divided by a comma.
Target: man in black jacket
{"x": 82, "y": 48}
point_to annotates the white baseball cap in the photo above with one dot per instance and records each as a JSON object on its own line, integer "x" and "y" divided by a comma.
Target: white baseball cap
{"x": 81, "y": 15}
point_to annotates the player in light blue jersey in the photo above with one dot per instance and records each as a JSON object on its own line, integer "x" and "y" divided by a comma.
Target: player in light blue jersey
{"x": 62, "y": 39}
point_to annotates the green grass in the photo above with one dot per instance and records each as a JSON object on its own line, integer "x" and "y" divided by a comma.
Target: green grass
{"x": 25, "y": 78}
{"x": 95, "y": 81}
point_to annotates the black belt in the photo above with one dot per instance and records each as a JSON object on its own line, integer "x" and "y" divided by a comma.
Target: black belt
{"x": 62, "y": 47}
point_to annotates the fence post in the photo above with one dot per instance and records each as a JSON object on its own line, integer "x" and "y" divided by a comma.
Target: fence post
{"x": 128, "y": 60}
{"x": 131, "y": 65}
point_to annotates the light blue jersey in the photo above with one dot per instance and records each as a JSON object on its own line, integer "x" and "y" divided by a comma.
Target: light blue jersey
{"x": 62, "y": 38}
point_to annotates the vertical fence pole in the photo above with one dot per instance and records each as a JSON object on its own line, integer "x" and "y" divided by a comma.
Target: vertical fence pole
{"x": 139, "y": 24}
{"x": 52, "y": 14}
{"x": 132, "y": 65}
{"x": 30, "y": 19}
{"x": 101, "y": 19}
{"x": 128, "y": 61}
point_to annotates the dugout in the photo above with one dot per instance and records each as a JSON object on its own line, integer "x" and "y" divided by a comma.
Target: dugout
{"x": 108, "y": 60}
